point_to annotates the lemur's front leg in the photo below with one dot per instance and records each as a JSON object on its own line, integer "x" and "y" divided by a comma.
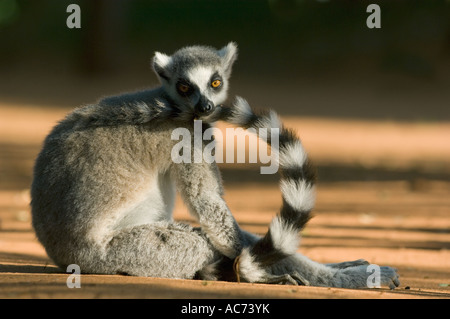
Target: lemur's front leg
{"x": 201, "y": 189}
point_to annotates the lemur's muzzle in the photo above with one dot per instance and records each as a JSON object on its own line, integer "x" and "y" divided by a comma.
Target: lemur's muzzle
{"x": 204, "y": 106}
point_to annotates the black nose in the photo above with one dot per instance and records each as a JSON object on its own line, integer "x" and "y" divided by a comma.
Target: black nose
{"x": 205, "y": 107}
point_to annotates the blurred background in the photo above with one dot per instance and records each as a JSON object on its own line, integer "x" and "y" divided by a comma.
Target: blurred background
{"x": 318, "y": 55}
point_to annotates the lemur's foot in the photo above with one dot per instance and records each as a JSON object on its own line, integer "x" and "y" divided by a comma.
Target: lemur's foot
{"x": 365, "y": 277}
{"x": 389, "y": 277}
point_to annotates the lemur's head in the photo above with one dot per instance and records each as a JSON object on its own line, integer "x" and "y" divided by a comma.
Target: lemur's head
{"x": 196, "y": 77}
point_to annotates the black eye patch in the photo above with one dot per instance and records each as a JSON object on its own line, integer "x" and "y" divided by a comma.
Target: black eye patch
{"x": 184, "y": 88}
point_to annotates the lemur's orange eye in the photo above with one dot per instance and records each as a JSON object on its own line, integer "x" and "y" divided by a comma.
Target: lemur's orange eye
{"x": 216, "y": 83}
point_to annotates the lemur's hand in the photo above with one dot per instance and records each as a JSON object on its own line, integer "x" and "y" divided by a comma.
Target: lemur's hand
{"x": 244, "y": 275}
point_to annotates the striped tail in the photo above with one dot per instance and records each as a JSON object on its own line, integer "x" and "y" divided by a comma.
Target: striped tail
{"x": 297, "y": 179}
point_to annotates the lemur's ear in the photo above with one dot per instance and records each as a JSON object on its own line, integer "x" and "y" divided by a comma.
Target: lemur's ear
{"x": 228, "y": 54}
{"x": 161, "y": 62}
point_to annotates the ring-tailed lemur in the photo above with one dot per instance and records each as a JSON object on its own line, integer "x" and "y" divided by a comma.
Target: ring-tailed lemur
{"x": 104, "y": 187}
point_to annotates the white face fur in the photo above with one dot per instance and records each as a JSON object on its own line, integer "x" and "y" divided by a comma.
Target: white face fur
{"x": 206, "y": 79}
{"x": 196, "y": 78}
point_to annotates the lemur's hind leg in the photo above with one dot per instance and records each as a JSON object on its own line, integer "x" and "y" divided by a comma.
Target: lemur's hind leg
{"x": 352, "y": 274}
{"x": 346, "y": 264}
{"x": 163, "y": 249}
